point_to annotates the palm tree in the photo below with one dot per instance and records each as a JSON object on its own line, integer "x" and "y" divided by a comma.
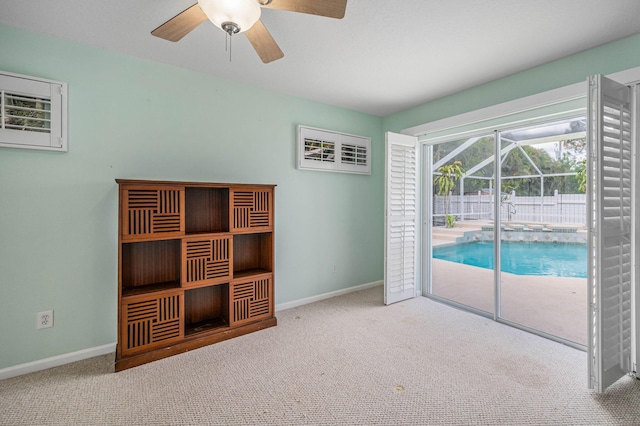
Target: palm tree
{"x": 445, "y": 182}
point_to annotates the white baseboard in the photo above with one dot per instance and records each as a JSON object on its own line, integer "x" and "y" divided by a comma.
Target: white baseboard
{"x": 55, "y": 361}
{"x": 307, "y": 300}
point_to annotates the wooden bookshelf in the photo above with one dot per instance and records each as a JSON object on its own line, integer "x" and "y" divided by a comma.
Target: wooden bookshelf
{"x": 195, "y": 266}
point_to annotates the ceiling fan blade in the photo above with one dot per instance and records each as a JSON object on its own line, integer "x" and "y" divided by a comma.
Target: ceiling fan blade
{"x": 328, "y": 8}
{"x": 181, "y": 24}
{"x": 263, "y": 43}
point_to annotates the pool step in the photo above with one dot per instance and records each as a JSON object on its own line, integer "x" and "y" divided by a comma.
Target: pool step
{"x": 445, "y": 235}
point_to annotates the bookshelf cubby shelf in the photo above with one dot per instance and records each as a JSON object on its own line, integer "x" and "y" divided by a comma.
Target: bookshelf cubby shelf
{"x": 195, "y": 266}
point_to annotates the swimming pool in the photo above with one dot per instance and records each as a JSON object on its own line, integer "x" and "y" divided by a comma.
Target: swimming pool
{"x": 521, "y": 258}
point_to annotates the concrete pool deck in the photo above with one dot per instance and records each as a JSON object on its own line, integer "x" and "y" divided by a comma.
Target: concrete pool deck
{"x": 554, "y": 305}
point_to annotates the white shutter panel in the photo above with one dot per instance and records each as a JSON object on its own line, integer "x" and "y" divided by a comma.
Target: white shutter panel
{"x": 400, "y": 272}
{"x": 317, "y": 149}
{"x": 609, "y": 220}
{"x": 355, "y": 153}
{"x": 32, "y": 113}
{"x": 327, "y": 150}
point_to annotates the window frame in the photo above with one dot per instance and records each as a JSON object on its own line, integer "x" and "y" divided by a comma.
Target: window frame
{"x": 54, "y": 92}
{"x": 339, "y": 142}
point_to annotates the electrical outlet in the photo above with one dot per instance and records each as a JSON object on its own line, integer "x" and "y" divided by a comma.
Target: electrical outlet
{"x": 44, "y": 319}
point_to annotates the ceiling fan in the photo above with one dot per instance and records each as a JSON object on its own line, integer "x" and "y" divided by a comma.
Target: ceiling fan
{"x": 243, "y": 16}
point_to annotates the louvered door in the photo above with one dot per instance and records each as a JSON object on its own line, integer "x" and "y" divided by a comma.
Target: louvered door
{"x": 400, "y": 267}
{"x": 152, "y": 212}
{"x": 251, "y": 209}
{"x": 610, "y": 200}
{"x": 206, "y": 260}
{"x": 251, "y": 299}
{"x": 151, "y": 321}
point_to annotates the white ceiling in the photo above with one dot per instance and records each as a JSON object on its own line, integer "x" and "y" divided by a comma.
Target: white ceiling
{"x": 383, "y": 57}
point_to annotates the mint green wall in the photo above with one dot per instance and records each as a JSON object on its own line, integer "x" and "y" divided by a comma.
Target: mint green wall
{"x": 131, "y": 118}
{"x": 612, "y": 57}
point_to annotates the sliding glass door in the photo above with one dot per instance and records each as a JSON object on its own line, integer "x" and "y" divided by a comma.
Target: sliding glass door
{"x": 527, "y": 209}
{"x": 462, "y": 207}
{"x": 543, "y": 280}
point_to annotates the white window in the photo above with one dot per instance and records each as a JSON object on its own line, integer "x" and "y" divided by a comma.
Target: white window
{"x": 33, "y": 113}
{"x": 332, "y": 151}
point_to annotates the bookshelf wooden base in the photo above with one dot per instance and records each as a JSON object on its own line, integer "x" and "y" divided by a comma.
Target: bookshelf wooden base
{"x": 193, "y": 342}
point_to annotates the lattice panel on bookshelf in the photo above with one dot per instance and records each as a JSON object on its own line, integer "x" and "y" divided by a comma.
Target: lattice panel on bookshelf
{"x": 153, "y": 211}
{"x": 153, "y": 321}
{"x": 207, "y": 260}
{"x": 251, "y": 300}
{"x": 251, "y": 209}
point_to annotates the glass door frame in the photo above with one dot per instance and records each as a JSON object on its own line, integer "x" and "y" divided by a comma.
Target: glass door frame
{"x": 427, "y": 224}
{"x": 426, "y": 146}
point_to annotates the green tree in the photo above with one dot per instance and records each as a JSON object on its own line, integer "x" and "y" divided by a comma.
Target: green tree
{"x": 581, "y": 178}
{"x": 445, "y": 182}
{"x": 517, "y": 164}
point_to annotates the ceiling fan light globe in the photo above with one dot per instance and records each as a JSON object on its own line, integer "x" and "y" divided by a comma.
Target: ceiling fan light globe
{"x": 243, "y": 13}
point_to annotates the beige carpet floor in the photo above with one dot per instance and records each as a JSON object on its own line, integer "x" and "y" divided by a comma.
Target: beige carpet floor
{"x": 343, "y": 361}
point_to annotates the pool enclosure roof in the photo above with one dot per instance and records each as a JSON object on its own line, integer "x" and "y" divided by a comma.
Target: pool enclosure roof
{"x": 535, "y": 148}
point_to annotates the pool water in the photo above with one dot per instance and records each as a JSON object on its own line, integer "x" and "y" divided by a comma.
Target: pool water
{"x": 521, "y": 258}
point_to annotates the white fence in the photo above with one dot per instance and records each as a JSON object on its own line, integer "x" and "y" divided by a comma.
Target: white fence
{"x": 558, "y": 208}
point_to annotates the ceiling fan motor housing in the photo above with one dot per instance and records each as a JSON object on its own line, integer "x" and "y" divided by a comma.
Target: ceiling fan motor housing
{"x": 232, "y": 16}
{"x": 230, "y": 28}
